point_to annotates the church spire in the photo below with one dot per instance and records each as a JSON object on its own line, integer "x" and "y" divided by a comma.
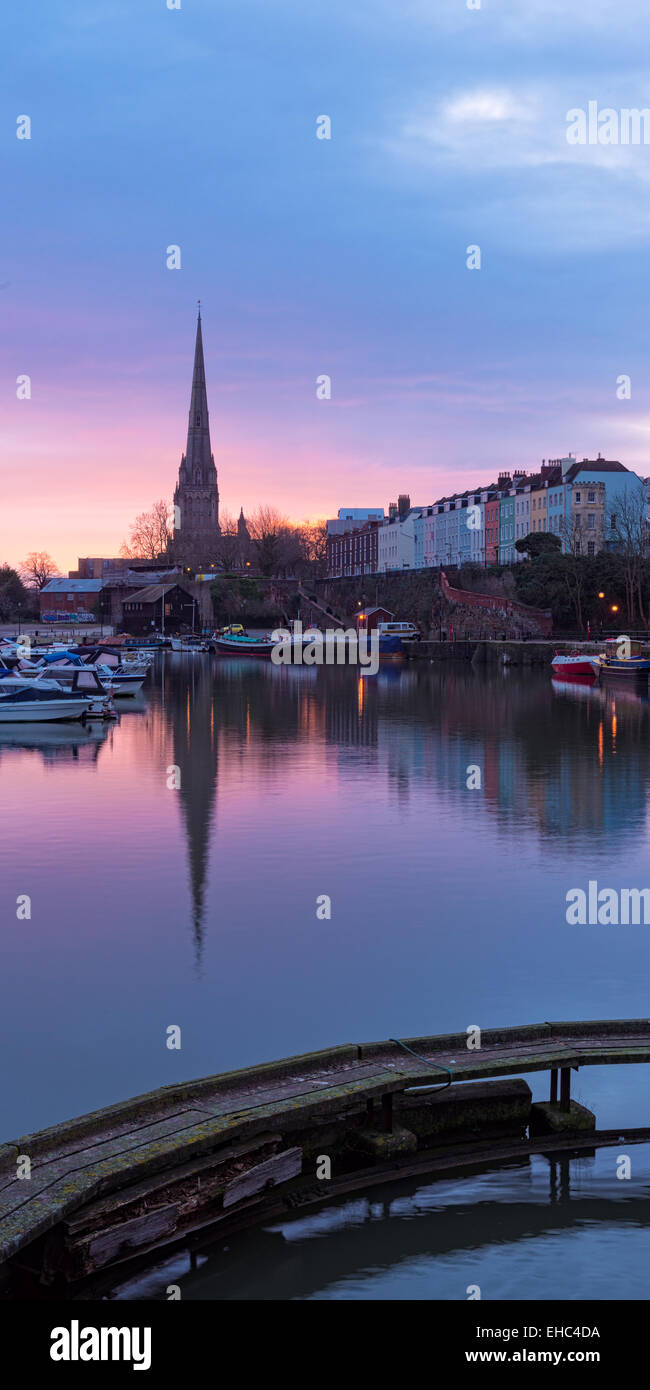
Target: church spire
{"x": 196, "y": 499}
{"x": 198, "y": 452}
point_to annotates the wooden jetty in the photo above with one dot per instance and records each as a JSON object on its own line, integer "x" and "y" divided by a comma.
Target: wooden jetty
{"x": 226, "y": 1151}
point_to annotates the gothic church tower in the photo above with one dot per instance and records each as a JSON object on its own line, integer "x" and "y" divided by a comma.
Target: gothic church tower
{"x": 196, "y": 499}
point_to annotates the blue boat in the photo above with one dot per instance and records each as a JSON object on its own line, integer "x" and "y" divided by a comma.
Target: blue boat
{"x": 622, "y": 657}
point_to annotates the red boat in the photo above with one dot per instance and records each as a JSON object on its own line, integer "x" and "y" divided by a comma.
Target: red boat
{"x": 576, "y": 665}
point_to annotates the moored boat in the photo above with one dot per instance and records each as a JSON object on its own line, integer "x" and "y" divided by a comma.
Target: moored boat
{"x": 154, "y": 644}
{"x": 65, "y": 666}
{"x": 31, "y": 705}
{"x": 390, "y": 648}
{"x": 190, "y": 644}
{"x": 243, "y": 646}
{"x": 568, "y": 667}
{"x": 337, "y": 647}
{"x": 623, "y": 657}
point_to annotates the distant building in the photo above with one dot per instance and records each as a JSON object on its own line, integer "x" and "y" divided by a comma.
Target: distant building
{"x": 492, "y": 529}
{"x": 196, "y": 499}
{"x": 159, "y": 605}
{"x": 482, "y": 525}
{"x": 98, "y": 567}
{"x": 622, "y": 487}
{"x": 584, "y": 532}
{"x": 350, "y": 518}
{"x": 371, "y": 617}
{"x": 396, "y": 543}
{"x": 353, "y": 552}
{"x": 538, "y": 507}
{"x": 75, "y": 600}
{"x": 507, "y": 550}
{"x": 242, "y": 528}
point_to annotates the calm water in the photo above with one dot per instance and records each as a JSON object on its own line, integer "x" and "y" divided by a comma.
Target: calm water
{"x": 197, "y": 906}
{"x": 532, "y": 1230}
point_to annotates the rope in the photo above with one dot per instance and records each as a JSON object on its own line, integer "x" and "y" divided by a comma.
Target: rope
{"x": 427, "y": 1063}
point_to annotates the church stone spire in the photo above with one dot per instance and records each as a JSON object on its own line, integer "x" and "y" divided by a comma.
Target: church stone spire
{"x": 196, "y": 499}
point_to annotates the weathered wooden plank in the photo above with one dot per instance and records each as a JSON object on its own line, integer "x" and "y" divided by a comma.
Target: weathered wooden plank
{"x": 274, "y": 1170}
{"x": 129, "y": 1236}
{"x": 93, "y": 1214}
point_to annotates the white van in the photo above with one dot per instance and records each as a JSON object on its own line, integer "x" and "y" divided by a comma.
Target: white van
{"x": 407, "y": 631}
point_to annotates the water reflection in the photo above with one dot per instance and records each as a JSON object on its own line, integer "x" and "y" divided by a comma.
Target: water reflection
{"x": 56, "y": 742}
{"x": 570, "y": 762}
{"x": 448, "y": 902}
{"x": 539, "y": 1228}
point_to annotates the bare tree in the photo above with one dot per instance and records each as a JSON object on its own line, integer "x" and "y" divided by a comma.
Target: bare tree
{"x": 227, "y": 549}
{"x": 575, "y": 578}
{"x": 269, "y": 529}
{"x": 313, "y": 536}
{"x": 573, "y": 535}
{"x": 628, "y": 528}
{"x": 151, "y": 534}
{"x": 37, "y": 569}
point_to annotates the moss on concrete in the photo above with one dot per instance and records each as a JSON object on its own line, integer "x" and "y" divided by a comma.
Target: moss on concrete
{"x": 546, "y": 1117}
{"x": 381, "y": 1145}
{"x": 474, "y": 1109}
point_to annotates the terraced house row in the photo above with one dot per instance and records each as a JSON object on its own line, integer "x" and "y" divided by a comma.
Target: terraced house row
{"x": 588, "y": 505}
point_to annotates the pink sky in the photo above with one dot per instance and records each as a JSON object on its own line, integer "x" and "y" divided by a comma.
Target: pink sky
{"x": 102, "y": 435}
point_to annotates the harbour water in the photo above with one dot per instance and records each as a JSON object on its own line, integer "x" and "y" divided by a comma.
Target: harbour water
{"x": 201, "y": 904}
{"x": 178, "y": 868}
{"x": 531, "y": 1230}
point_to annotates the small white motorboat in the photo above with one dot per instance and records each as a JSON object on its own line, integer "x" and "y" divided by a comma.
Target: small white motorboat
{"x": 31, "y": 705}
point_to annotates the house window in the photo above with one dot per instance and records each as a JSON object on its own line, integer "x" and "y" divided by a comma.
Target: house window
{"x": 591, "y": 548}
{"x": 591, "y": 522}
{"x": 577, "y": 496}
{"x": 591, "y": 497}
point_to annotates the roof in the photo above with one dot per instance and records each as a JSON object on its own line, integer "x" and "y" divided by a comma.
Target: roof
{"x": 151, "y": 594}
{"x": 594, "y": 466}
{"x": 378, "y": 608}
{"x": 129, "y": 578}
{"x": 358, "y": 513}
{"x": 72, "y": 586}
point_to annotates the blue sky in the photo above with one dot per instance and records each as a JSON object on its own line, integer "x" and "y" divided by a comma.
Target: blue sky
{"x": 197, "y": 127}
